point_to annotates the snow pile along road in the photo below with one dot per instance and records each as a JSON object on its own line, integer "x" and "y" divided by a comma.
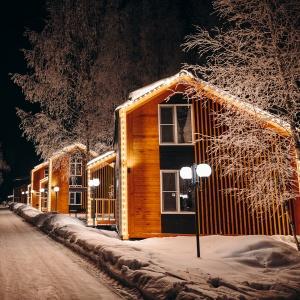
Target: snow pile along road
{"x": 245, "y": 267}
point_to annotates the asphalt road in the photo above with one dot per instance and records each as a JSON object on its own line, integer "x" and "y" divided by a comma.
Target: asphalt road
{"x": 33, "y": 266}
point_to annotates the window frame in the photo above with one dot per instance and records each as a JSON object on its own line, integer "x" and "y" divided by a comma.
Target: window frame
{"x": 177, "y": 185}
{"x": 175, "y": 132}
{"x": 75, "y": 192}
{"x": 74, "y": 161}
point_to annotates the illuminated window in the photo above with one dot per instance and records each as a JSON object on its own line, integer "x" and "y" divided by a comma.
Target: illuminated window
{"x": 175, "y": 125}
{"x": 75, "y": 198}
{"x": 176, "y": 195}
{"x": 76, "y": 166}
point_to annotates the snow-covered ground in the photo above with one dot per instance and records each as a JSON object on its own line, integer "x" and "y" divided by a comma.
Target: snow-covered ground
{"x": 240, "y": 267}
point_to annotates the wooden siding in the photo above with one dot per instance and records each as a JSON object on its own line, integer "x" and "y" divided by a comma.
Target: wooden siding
{"x": 37, "y": 176}
{"x": 60, "y": 178}
{"x": 105, "y": 194}
{"x": 220, "y": 212}
{"x": 143, "y": 171}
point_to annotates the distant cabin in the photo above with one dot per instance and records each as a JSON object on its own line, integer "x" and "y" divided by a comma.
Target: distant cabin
{"x": 60, "y": 183}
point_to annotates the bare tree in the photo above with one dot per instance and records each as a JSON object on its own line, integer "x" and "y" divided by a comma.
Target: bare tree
{"x": 255, "y": 57}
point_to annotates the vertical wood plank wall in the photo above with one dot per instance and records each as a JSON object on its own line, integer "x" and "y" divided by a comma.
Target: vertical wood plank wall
{"x": 60, "y": 178}
{"x": 107, "y": 182}
{"x": 220, "y": 212}
{"x": 143, "y": 171}
{"x": 35, "y": 186}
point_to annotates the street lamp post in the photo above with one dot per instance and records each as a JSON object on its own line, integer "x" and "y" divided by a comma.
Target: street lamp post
{"x": 93, "y": 184}
{"x": 56, "y": 190}
{"x": 193, "y": 173}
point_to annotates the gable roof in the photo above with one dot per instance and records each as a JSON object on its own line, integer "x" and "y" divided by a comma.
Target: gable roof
{"x": 103, "y": 158}
{"x": 145, "y": 94}
{"x": 70, "y": 148}
{"x": 41, "y": 165}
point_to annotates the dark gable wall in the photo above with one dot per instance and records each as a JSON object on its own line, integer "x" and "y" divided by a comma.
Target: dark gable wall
{"x": 173, "y": 158}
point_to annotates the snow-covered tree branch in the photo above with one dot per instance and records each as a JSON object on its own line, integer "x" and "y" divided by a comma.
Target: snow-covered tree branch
{"x": 255, "y": 57}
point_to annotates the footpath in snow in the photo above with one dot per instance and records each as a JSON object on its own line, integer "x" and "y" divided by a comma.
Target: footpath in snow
{"x": 240, "y": 267}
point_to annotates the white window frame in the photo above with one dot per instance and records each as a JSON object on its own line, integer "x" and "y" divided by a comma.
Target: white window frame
{"x": 175, "y": 125}
{"x": 75, "y": 192}
{"x": 178, "y": 211}
{"x": 75, "y": 162}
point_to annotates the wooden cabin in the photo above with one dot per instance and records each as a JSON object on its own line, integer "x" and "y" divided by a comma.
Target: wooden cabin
{"x": 102, "y": 199}
{"x": 67, "y": 192}
{"x": 155, "y": 137}
{"x": 21, "y": 193}
{"x": 39, "y": 186}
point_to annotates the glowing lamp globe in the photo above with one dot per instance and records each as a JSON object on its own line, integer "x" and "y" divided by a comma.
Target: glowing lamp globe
{"x": 203, "y": 170}
{"x": 42, "y": 190}
{"x": 56, "y": 189}
{"x": 186, "y": 173}
{"x": 96, "y": 181}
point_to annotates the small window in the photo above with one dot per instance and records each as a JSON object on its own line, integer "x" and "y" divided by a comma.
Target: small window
{"x": 76, "y": 166}
{"x": 184, "y": 124}
{"x": 167, "y": 125}
{"x": 169, "y": 191}
{"x": 75, "y": 198}
{"x": 175, "y": 124}
{"x": 176, "y": 193}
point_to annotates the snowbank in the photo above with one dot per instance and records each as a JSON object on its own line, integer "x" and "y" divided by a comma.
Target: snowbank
{"x": 245, "y": 267}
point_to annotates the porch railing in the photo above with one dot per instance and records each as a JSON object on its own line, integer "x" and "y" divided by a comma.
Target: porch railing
{"x": 105, "y": 210}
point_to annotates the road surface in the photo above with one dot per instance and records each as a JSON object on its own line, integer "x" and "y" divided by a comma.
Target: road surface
{"x": 33, "y": 266}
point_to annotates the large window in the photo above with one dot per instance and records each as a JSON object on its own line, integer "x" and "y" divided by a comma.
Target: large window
{"x": 76, "y": 166}
{"x": 175, "y": 124}
{"x": 176, "y": 196}
{"x": 75, "y": 198}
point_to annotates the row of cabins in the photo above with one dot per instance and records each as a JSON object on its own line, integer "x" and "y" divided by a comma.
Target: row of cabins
{"x": 140, "y": 191}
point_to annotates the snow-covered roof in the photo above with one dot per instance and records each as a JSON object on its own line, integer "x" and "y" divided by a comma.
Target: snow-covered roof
{"x": 139, "y": 94}
{"x": 102, "y": 158}
{"x": 145, "y": 92}
{"x": 235, "y": 101}
{"x": 70, "y": 148}
{"x": 41, "y": 165}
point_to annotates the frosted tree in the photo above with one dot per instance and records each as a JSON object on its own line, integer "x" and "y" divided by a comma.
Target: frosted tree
{"x": 4, "y": 167}
{"x": 255, "y": 57}
{"x": 88, "y": 57}
{"x": 63, "y": 80}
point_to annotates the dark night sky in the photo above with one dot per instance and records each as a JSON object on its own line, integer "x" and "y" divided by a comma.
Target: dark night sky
{"x": 15, "y": 17}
